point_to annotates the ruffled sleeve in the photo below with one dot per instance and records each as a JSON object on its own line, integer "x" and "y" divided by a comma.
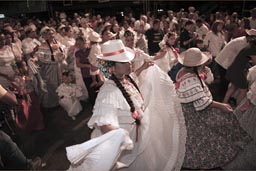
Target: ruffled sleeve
{"x": 190, "y": 90}
{"x": 109, "y": 103}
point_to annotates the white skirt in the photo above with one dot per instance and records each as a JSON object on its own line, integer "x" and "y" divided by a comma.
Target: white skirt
{"x": 99, "y": 154}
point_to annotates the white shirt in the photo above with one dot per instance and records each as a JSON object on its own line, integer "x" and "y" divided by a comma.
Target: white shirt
{"x": 68, "y": 41}
{"x": 215, "y": 42}
{"x": 95, "y": 50}
{"x": 85, "y": 32}
{"x": 28, "y": 45}
{"x": 139, "y": 58}
{"x": 228, "y": 54}
{"x": 202, "y": 31}
{"x": 167, "y": 61}
{"x": 6, "y": 56}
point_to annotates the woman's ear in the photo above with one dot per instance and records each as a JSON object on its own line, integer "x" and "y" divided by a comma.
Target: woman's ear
{"x": 111, "y": 70}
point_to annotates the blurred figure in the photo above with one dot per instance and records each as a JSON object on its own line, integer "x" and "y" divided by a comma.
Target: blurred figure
{"x": 69, "y": 93}
{"x": 50, "y": 56}
{"x": 154, "y": 36}
{"x": 237, "y": 71}
{"x": 201, "y": 29}
{"x": 252, "y": 18}
{"x": 228, "y": 54}
{"x": 29, "y": 117}
{"x": 7, "y": 60}
{"x": 10, "y": 152}
{"x": 187, "y": 36}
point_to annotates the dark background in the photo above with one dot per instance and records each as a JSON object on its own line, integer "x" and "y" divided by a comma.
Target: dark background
{"x": 46, "y": 9}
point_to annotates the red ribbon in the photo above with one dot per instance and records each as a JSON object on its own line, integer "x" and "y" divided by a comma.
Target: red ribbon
{"x": 246, "y": 105}
{"x": 113, "y": 53}
{"x": 135, "y": 115}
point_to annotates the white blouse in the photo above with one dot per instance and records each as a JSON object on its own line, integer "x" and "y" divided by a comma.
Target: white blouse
{"x": 6, "y": 56}
{"x": 139, "y": 58}
{"x": 190, "y": 90}
{"x": 29, "y": 44}
{"x": 95, "y": 50}
{"x": 44, "y": 55}
{"x": 112, "y": 108}
{"x": 69, "y": 90}
{"x": 167, "y": 61}
{"x": 215, "y": 42}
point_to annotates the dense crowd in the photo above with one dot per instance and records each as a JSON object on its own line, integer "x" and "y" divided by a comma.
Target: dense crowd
{"x": 153, "y": 64}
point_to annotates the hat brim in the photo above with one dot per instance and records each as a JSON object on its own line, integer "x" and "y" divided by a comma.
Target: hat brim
{"x": 204, "y": 59}
{"x": 126, "y": 56}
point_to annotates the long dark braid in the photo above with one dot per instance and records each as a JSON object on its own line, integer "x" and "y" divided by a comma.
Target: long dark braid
{"x": 124, "y": 92}
{"x": 197, "y": 74}
{"x": 49, "y": 45}
{"x": 133, "y": 82}
{"x": 126, "y": 95}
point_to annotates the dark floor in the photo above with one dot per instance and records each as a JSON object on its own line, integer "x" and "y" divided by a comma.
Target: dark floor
{"x": 61, "y": 131}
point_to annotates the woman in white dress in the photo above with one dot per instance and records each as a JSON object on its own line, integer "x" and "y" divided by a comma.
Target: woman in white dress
{"x": 69, "y": 94}
{"x": 50, "y": 56}
{"x": 6, "y": 60}
{"x": 156, "y": 126}
{"x": 171, "y": 54}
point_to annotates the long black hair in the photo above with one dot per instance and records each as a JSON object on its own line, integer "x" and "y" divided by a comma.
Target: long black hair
{"x": 195, "y": 69}
{"x": 125, "y": 93}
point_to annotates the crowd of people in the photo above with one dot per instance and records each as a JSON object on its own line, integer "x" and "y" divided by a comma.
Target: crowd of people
{"x": 148, "y": 80}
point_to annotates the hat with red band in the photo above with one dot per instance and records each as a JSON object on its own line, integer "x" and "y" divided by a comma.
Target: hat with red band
{"x": 114, "y": 50}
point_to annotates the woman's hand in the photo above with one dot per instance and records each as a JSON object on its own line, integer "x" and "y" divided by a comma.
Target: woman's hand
{"x": 226, "y": 108}
{"x": 147, "y": 63}
{"x": 222, "y": 106}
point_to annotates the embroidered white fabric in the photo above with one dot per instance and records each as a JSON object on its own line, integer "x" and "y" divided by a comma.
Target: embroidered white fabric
{"x": 162, "y": 133}
{"x": 191, "y": 90}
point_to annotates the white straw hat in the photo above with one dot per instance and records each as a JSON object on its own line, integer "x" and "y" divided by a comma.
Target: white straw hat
{"x": 45, "y": 29}
{"x": 114, "y": 50}
{"x": 193, "y": 57}
{"x": 94, "y": 37}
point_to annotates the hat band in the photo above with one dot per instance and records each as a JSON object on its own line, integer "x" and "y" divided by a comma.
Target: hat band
{"x": 113, "y": 53}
